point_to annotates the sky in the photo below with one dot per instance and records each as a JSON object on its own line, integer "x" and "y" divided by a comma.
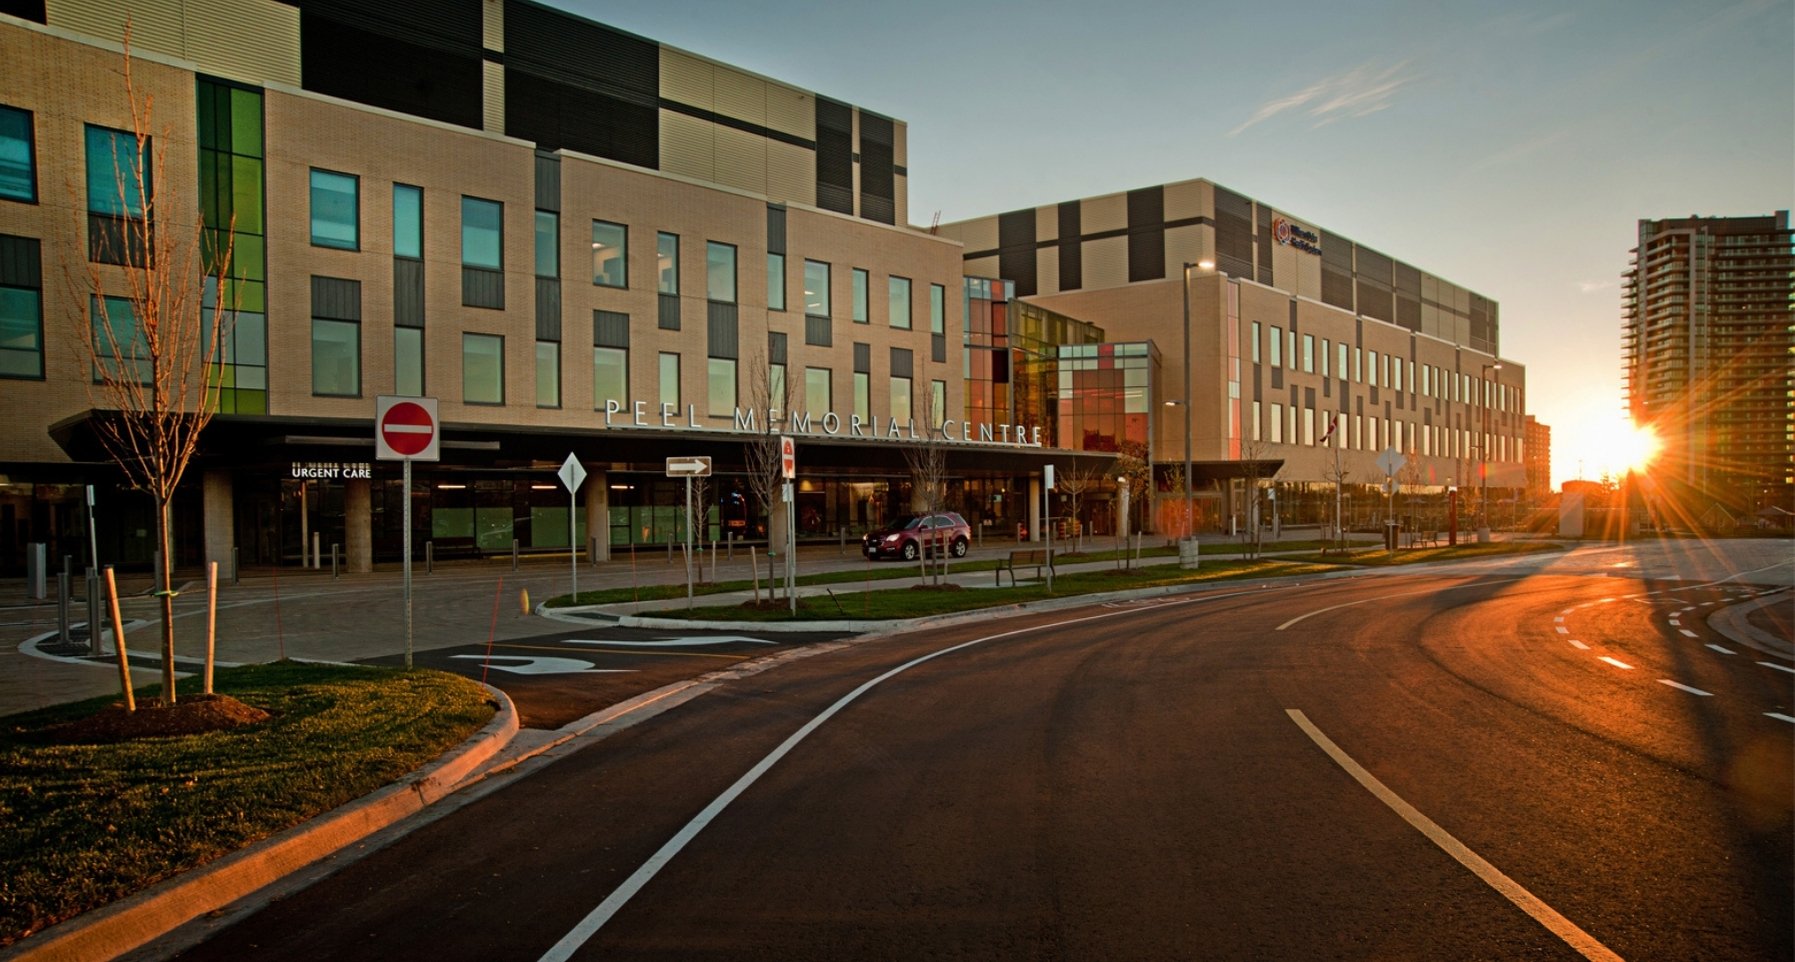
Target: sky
{"x": 1510, "y": 148}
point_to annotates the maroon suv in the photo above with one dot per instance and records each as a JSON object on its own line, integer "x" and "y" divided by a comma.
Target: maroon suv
{"x": 910, "y": 535}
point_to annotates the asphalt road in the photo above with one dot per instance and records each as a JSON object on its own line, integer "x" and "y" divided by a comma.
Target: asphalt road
{"x": 1435, "y": 766}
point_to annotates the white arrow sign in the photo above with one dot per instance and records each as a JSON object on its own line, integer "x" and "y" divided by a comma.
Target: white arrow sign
{"x": 695, "y": 467}
{"x": 538, "y": 665}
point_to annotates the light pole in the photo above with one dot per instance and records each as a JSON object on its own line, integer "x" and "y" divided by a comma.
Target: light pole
{"x": 1189, "y": 524}
{"x": 1485, "y": 389}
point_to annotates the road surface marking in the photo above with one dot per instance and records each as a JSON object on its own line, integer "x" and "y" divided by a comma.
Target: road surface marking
{"x": 1559, "y": 619}
{"x": 1688, "y": 634}
{"x": 1399, "y": 594}
{"x": 1724, "y": 651}
{"x": 1780, "y": 717}
{"x": 1562, "y": 630}
{"x": 581, "y": 933}
{"x": 1771, "y": 664}
{"x": 1492, "y": 876}
{"x": 1579, "y": 645}
{"x": 1617, "y": 663}
{"x": 528, "y": 665}
{"x": 1682, "y": 687}
{"x": 694, "y": 641}
{"x": 1674, "y": 622}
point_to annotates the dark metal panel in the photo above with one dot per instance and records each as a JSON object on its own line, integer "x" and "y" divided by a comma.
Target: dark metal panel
{"x": 834, "y": 156}
{"x": 408, "y": 292}
{"x": 336, "y": 299}
{"x": 1016, "y": 250}
{"x": 548, "y": 182}
{"x": 610, "y": 329}
{"x": 877, "y": 177}
{"x": 413, "y": 72}
{"x": 1264, "y": 240}
{"x": 1071, "y": 216}
{"x": 557, "y": 115}
{"x": 723, "y": 330}
{"x": 775, "y": 228}
{"x": 863, "y": 358}
{"x": 903, "y": 362}
{"x": 817, "y": 332}
{"x": 548, "y": 309}
{"x": 577, "y": 52}
{"x": 667, "y": 312}
{"x": 21, "y": 263}
{"x": 1146, "y": 234}
{"x": 482, "y": 288}
{"x": 938, "y": 348}
{"x": 775, "y": 347}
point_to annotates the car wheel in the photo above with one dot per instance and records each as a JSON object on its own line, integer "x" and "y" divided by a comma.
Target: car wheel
{"x": 959, "y": 548}
{"x": 910, "y": 551}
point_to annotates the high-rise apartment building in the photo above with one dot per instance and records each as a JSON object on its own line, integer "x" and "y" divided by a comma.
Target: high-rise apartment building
{"x": 1537, "y": 446}
{"x": 1709, "y": 338}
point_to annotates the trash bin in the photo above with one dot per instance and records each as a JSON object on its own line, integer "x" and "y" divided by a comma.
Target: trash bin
{"x": 1392, "y": 535}
{"x": 1187, "y": 552}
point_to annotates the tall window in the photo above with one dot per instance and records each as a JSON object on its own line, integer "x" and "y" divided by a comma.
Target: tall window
{"x": 719, "y": 272}
{"x": 863, "y": 396}
{"x": 115, "y": 230}
{"x": 937, "y": 309}
{"x": 670, "y": 380}
{"x": 408, "y": 221}
{"x": 818, "y": 390}
{"x": 667, "y": 257}
{"x": 902, "y": 404}
{"x": 1340, "y": 360}
{"x": 860, "y": 282}
{"x": 720, "y": 386}
{"x": 1277, "y": 346}
{"x": 231, "y": 201}
{"x": 1308, "y": 354}
{"x": 122, "y": 351}
{"x": 937, "y": 403}
{"x": 548, "y": 244}
{"x": 408, "y": 361}
{"x": 21, "y": 309}
{"x": 816, "y": 289}
{"x": 18, "y": 156}
{"x": 1277, "y": 421}
{"x": 775, "y": 281}
{"x": 1256, "y": 336}
{"x": 408, "y": 255}
{"x": 1257, "y": 433}
{"x": 548, "y": 374}
{"x": 899, "y": 295}
{"x": 610, "y": 376}
{"x": 482, "y": 253}
{"x": 610, "y": 254}
{"x": 336, "y": 357}
{"x": 336, "y": 210}
{"x": 1371, "y": 368}
{"x": 482, "y": 368}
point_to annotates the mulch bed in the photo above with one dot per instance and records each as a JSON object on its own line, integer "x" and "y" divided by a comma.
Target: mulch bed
{"x": 192, "y": 715}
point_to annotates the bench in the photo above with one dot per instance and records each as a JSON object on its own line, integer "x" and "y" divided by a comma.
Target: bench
{"x": 1430, "y": 539}
{"x": 1036, "y": 558}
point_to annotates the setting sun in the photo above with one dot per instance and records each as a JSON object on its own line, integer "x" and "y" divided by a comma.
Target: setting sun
{"x": 1630, "y": 448}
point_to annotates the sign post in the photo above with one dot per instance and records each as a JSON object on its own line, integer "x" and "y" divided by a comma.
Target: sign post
{"x": 689, "y": 468}
{"x": 788, "y": 469}
{"x": 571, "y": 474}
{"x": 406, "y": 430}
{"x": 1390, "y": 462}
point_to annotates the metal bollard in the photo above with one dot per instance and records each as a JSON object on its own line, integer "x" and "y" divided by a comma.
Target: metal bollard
{"x": 729, "y": 548}
{"x": 334, "y": 553}
{"x": 429, "y": 557}
{"x": 62, "y": 604}
{"x": 669, "y": 547}
{"x": 93, "y": 611}
{"x": 513, "y": 554}
{"x": 236, "y": 565}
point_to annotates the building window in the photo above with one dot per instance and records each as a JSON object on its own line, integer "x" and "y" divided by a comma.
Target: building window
{"x": 775, "y": 282}
{"x": 1277, "y": 346}
{"x": 937, "y": 309}
{"x": 667, "y": 256}
{"x": 902, "y": 404}
{"x": 860, "y": 286}
{"x": 776, "y": 386}
{"x": 1277, "y": 421}
{"x": 899, "y": 295}
{"x": 548, "y": 374}
{"x": 18, "y": 156}
{"x": 1371, "y": 368}
{"x": 719, "y": 272}
{"x": 336, "y": 357}
{"x": 21, "y": 313}
{"x": 408, "y": 221}
{"x": 1395, "y": 373}
{"x": 816, "y": 289}
{"x": 1340, "y": 360}
{"x": 548, "y": 244}
{"x": 482, "y": 234}
{"x": 937, "y": 404}
{"x": 818, "y": 390}
{"x": 336, "y": 210}
{"x": 1308, "y": 354}
{"x": 1327, "y": 353}
{"x": 610, "y": 254}
{"x": 408, "y": 361}
{"x": 116, "y": 233}
{"x": 669, "y": 381}
{"x": 863, "y": 396}
{"x": 482, "y": 368}
{"x": 1256, "y": 336}
{"x": 1257, "y": 433}
{"x": 119, "y": 347}
{"x": 610, "y": 377}
{"x": 720, "y": 384}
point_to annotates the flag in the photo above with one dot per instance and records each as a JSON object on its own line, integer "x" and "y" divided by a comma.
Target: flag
{"x": 1333, "y": 422}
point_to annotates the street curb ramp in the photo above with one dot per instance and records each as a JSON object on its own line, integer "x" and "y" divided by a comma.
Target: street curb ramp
{"x": 124, "y": 925}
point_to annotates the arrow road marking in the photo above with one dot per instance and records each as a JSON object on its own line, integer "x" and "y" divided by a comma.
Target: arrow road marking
{"x": 542, "y": 665}
{"x": 674, "y": 642}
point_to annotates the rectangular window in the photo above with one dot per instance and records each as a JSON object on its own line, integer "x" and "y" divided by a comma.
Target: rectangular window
{"x": 1257, "y": 414}
{"x": 775, "y": 282}
{"x": 119, "y": 346}
{"x": 336, "y": 358}
{"x": 937, "y": 309}
{"x": 1277, "y": 346}
{"x": 667, "y": 256}
{"x": 1371, "y": 368}
{"x": 408, "y": 221}
{"x": 336, "y": 210}
{"x": 1256, "y": 336}
{"x": 937, "y": 404}
{"x": 863, "y": 396}
{"x": 482, "y": 368}
{"x": 115, "y": 193}
{"x": 720, "y": 384}
{"x": 669, "y": 380}
{"x": 1340, "y": 360}
{"x": 776, "y": 384}
{"x": 818, "y": 390}
{"x": 610, "y": 254}
{"x": 899, "y": 297}
{"x": 610, "y": 376}
{"x": 901, "y": 401}
{"x": 816, "y": 289}
{"x": 860, "y": 295}
{"x": 1309, "y": 426}
{"x": 548, "y": 244}
{"x": 482, "y": 234}
{"x": 1396, "y": 374}
{"x": 18, "y": 156}
{"x": 548, "y": 374}
{"x": 1277, "y": 420}
{"x": 719, "y": 272}
{"x": 21, "y": 332}
{"x": 408, "y": 361}
{"x": 1327, "y": 353}
{"x": 1358, "y": 374}
{"x": 1308, "y": 354}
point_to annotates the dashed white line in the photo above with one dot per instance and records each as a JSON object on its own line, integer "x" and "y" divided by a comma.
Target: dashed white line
{"x": 1559, "y": 619}
{"x": 1562, "y": 630}
{"x": 1780, "y": 717}
{"x": 1617, "y": 663}
{"x": 1675, "y": 623}
{"x": 1579, "y": 645}
{"x": 1772, "y": 664}
{"x": 1688, "y": 634}
{"x": 1724, "y": 651}
{"x": 1682, "y": 687}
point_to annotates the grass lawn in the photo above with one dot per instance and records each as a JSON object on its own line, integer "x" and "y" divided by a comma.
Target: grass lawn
{"x": 89, "y": 824}
{"x": 895, "y": 603}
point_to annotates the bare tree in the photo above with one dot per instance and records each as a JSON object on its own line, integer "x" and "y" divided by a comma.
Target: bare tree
{"x": 928, "y": 473}
{"x": 1338, "y": 472}
{"x": 153, "y": 339}
{"x": 1410, "y": 476}
{"x": 1252, "y": 471}
{"x": 761, "y": 451}
{"x": 1079, "y": 478}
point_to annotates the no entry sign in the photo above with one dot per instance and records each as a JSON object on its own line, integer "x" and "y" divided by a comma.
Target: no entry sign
{"x": 405, "y": 429}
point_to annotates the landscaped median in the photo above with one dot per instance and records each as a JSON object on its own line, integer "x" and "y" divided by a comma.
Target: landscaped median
{"x": 90, "y": 823}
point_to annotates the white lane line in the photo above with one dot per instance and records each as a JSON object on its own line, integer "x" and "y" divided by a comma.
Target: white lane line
{"x": 1682, "y": 687}
{"x": 1570, "y": 609}
{"x": 1724, "y": 651}
{"x": 1688, "y": 634}
{"x": 1772, "y": 664}
{"x": 1580, "y": 646}
{"x": 1562, "y": 630}
{"x": 1780, "y": 717}
{"x": 581, "y": 933}
{"x": 1675, "y": 623}
{"x": 1399, "y": 594}
{"x": 1559, "y": 619}
{"x": 1492, "y": 876}
{"x": 1617, "y": 663}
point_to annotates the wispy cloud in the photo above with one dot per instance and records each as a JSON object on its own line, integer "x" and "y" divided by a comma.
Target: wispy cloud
{"x": 1361, "y": 91}
{"x": 1593, "y": 287}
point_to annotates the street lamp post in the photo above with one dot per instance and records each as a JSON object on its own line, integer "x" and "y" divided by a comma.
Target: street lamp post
{"x": 1483, "y": 450}
{"x": 1189, "y": 519}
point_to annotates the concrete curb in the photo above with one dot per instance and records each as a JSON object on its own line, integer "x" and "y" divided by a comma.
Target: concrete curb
{"x": 1731, "y": 622}
{"x": 114, "y": 929}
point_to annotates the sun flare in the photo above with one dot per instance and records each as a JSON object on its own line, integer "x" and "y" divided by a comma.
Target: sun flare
{"x": 1634, "y": 447}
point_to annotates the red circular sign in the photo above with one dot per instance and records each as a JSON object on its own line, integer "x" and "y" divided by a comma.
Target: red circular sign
{"x": 407, "y": 428}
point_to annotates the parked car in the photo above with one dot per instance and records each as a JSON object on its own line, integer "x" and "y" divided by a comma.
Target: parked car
{"x": 910, "y": 535}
